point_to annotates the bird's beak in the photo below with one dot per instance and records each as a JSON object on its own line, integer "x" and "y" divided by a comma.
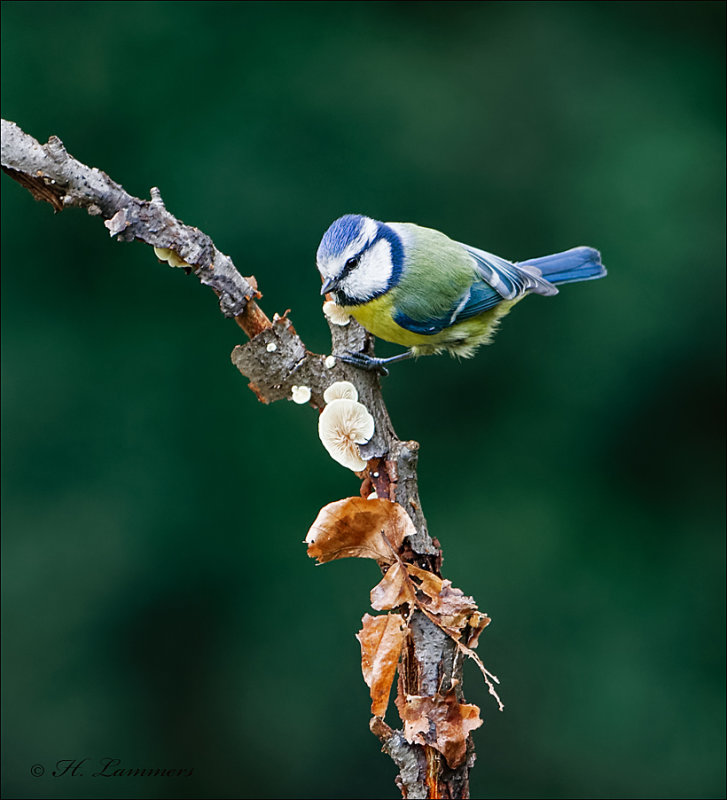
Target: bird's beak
{"x": 328, "y": 284}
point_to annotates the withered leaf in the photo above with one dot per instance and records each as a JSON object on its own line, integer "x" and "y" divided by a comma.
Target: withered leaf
{"x": 477, "y": 623}
{"x": 381, "y": 641}
{"x": 393, "y": 590}
{"x": 455, "y": 613}
{"x": 451, "y": 607}
{"x": 358, "y": 528}
{"x": 440, "y": 722}
{"x": 426, "y": 581}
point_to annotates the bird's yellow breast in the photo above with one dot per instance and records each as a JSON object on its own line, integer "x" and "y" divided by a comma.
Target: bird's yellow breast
{"x": 461, "y": 339}
{"x": 377, "y": 317}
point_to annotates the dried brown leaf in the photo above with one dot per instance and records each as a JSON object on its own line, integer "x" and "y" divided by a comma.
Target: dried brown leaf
{"x": 381, "y": 641}
{"x": 440, "y": 722}
{"x": 425, "y": 581}
{"x": 477, "y": 623}
{"x": 358, "y": 528}
{"x": 451, "y": 607}
{"x": 393, "y": 590}
{"x": 456, "y": 614}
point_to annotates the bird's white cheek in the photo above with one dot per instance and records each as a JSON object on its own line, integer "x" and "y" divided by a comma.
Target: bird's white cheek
{"x": 373, "y": 275}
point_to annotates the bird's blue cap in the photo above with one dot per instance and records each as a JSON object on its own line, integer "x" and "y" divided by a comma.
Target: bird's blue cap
{"x": 339, "y": 236}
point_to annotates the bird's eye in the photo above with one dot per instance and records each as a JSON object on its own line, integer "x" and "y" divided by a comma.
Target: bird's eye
{"x": 352, "y": 263}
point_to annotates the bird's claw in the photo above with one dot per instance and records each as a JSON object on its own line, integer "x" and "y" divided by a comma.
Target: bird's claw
{"x": 362, "y": 361}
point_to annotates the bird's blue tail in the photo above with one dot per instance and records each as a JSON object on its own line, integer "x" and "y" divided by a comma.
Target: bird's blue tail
{"x": 576, "y": 264}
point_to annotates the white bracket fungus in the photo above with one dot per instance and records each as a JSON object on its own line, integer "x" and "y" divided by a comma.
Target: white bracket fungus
{"x": 339, "y": 390}
{"x": 335, "y": 314}
{"x": 165, "y": 254}
{"x": 300, "y": 394}
{"x": 343, "y": 425}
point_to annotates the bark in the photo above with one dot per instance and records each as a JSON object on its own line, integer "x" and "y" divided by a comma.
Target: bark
{"x": 274, "y": 360}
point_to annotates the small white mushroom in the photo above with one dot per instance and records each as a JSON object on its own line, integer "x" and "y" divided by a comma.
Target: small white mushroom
{"x": 165, "y": 254}
{"x": 272, "y": 347}
{"x": 300, "y": 394}
{"x": 342, "y": 426}
{"x": 340, "y": 389}
{"x": 330, "y": 362}
{"x": 335, "y": 314}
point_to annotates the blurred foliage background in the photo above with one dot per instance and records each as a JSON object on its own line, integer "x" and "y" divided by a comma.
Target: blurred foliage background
{"x": 159, "y": 606}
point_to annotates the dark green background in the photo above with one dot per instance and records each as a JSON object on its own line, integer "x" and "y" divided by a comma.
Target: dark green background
{"x": 159, "y": 604}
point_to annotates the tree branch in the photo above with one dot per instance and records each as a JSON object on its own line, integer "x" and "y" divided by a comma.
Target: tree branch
{"x": 51, "y": 174}
{"x": 274, "y": 360}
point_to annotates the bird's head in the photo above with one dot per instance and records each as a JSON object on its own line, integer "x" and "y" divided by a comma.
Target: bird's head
{"x": 359, "y": 259}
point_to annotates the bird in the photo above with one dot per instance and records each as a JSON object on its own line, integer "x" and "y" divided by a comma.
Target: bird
{"x": 416, "y": 287}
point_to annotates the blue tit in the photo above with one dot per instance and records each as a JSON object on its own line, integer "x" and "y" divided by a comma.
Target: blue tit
{"x": 417, "y": 287}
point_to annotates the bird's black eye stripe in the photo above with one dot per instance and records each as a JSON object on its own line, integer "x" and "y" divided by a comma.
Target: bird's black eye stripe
{"x": 352, "y": 263}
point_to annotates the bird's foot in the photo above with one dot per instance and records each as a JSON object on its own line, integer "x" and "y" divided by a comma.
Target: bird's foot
{"x": 362, "y": 361}
{"x": 371, "y": 363}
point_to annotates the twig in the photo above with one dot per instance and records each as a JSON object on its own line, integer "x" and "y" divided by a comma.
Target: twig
{"x": 275, "y": 359}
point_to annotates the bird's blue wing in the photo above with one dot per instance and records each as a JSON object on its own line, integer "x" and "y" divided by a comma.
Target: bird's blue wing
{"x": 508, "y": 279}
{"x": 480, "y": 297}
